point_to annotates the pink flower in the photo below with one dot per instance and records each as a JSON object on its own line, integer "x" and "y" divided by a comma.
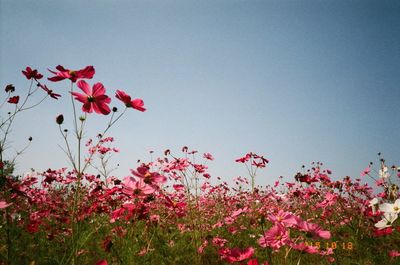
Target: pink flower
{"x": 93, "y": 100}
{"x": 208, "y": 156}
{"x": 244, "y": 159}
{"x": 276, "y": 237}
{"x": 218, "y": 241}
{"x": 284, "y": 218}
{"x": 72, "y": 75}
{"x": 129, "y": 103}
{"x": 304, "y": 247}
{"x": 136, "y": 187}
{"x": 394, "y": 253}
{"x": 365, "y": 171}
{"x": 314, "y": 229}
{"x": 236, "y": 254}
{"x": 13, "y": 100}
{"x": 178, "y": 187}
{"x": 4, "y": 204}
{"x": 29, "y": 73}
{"x": 143, "y": 173}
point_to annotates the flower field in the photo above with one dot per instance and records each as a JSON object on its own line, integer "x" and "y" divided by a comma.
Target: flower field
{"x": 171, "y": 210}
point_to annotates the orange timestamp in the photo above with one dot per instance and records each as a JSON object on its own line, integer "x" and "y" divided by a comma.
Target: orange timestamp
{"x": 333, "y": 245}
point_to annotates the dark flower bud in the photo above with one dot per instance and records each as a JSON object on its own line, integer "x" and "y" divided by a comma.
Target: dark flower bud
{"x": 9, "y": 88}
{"x": 114, "y": 109}
{"x": 30, "y": 139}
{"x": 60, "y": 119}
{"x": 65, "y": 130}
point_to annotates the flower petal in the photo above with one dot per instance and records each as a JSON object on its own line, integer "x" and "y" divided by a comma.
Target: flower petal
{"x": 85, "y": 87}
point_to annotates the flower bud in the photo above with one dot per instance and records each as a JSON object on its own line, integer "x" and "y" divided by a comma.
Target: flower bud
{"x": 60, "y": 119}
{"x": 30, "y": 139}
{"x": 9, "y": 88}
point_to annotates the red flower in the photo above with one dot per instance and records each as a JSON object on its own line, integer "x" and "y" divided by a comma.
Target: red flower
{"x": 129, "y": 103}
{"x": 72, "y": 75}
{"x": 29, "y": 73}
{"x": 13, "y": 100}
{"x": 49, "y": 91}
{"x": 93, "y": 100}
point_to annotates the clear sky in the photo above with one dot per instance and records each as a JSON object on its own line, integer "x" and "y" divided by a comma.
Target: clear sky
{"x": 296, "y": 81}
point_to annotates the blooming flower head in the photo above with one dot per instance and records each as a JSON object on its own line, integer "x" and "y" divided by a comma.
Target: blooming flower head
{"x": 276, "y": 237}
{"x": 148, "y": 177}
{"x": 286, "y": 219}
{"x": 129, "y": 103}
{"x": 29, "y": 73}
{"x": 236, "y": 254}
{"x": 87, "y": 72}
{"x": 314, "y": 229}
{"x": 93, "y": 99}
{"x": 390, "y": 207}
{"x": 136, "y": 187}
{"x": 387, "y": 220}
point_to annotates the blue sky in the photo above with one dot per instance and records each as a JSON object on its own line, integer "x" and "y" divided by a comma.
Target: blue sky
{"x": 296, "y": 81}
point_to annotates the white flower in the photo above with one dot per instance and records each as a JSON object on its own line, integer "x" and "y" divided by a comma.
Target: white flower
{"x": 387, "y": 220}
{"x": 372, "y": 204}
{"x": 374, "y": 201}
{"x": 383, "y": 173}
{"x": 390, "y": 207}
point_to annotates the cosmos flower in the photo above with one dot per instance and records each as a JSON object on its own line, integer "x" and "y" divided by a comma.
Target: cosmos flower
{"x": 387, "y": 220}
{"x": 29, "y": 73}
{"x": 93, "y": 99}
{"x": 87, "y": 72}
{"x": 129, "y": 103}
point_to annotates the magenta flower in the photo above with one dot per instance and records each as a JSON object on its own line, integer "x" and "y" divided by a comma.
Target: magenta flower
{"x": 49, "y": 91}
{"x": 87, "y": 72}
{"x": 29, "y": 73}
{"x": 236, "y": 254}
{"x": 93, "y": 99}
{"x": 129, "y": 103}
{"x": 148, "y": 177}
